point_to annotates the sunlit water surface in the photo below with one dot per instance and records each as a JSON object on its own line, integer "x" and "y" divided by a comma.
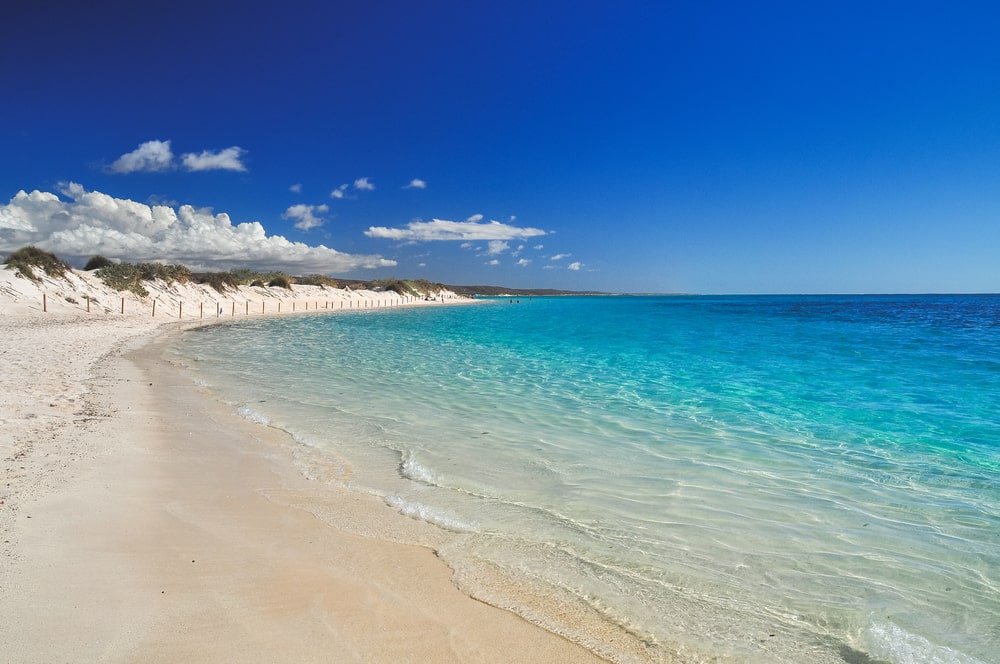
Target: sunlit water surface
{"x": 749, "y": 478}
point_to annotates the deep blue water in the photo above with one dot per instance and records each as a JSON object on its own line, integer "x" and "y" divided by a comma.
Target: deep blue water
{"x": 772, "y": 478}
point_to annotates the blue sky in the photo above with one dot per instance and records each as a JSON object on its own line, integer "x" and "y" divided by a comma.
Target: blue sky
{"x": 712, "y": 147}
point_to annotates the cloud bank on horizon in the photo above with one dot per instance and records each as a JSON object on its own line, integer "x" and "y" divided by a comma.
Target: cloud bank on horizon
{"x": 96, "y": 223}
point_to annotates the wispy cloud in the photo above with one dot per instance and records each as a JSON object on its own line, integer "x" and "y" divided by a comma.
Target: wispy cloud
{"x": 150, "y": 157}
{"x": 339, "y": 191}
{"x": 559, "y": 257}
{"x": 493, "y": 262}
{"x": 496, "y": 247}
{"x": 229, "y": 159}
{"x": 296, "y": 188}
{"x": 574, "y": 266}
{"x": 157, "y": 156}
{"x": 306, "y": 215}
{"x": 464, "y": 231}
{"x": 524, "y": 262}
{"x": 416, "y": 183}
{"x": 92, "y": 222}
{"x": 364, "y": 184}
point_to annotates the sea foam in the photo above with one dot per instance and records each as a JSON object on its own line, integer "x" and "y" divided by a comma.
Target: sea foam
{"x": 423, "y": 512}
{"x": 414, "y": 470}
{"x": 252, "y": 415}
{"x": 885, "y": 640}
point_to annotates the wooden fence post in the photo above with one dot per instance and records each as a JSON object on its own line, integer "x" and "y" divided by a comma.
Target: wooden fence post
{"x": 154, "y": 308}
{"x": 123, "y": 305}
{"x": 45, "y": 302}
{"x": 88, "y": 304}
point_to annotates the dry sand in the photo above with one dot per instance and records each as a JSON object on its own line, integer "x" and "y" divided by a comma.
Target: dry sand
{"x": 142, "y": 521}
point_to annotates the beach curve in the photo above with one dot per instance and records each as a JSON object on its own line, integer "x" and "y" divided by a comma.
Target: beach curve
{"x": 140, "y": 523}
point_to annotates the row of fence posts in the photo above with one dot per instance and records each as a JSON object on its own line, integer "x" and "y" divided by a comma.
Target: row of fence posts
{"x": 367, "y": 304}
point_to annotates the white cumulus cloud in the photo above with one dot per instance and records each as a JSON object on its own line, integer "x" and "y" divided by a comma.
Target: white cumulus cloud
{"x": 524, "y": 262}
{"x": 95, "y": 223}
{"x": 574, "y": 266}
{"x": 364, "y": 184}
{"x": 339, "y": 191}
{"x": 156, "y": 156}
{"x": 306, "y": 215}
{"x": 151, "y": 156}
{"x": 223, "y": 160}
{"x": 496, "y": 247}
{"x": 416, "y": 183}
{"x": 464, "y": 231}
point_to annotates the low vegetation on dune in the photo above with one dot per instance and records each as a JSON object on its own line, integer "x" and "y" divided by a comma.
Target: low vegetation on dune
{"x": 97, "y": 262}
{"x": 225, "y": 281}
{"x": 320, "y": 280}
{"x": 25, "y": 259}
{"x": 220, "y": 281}
{"x": 130, "y": 277}
{"x": 401, "y": 286}
{"x": 125, "y": 276}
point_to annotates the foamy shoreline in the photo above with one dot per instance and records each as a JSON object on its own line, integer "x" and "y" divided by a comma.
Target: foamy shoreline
{"x": 142, "y": 521}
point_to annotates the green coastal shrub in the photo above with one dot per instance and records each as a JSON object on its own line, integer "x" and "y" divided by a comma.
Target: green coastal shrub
{"x": 130, "y": 277}
{"x": 123, "y": 277}
{"x": 168, "y": 273}
{"x": 26, "y": 258}
{"x": 426, "y": 287}
{"x": 242, "y": 277}
{"x": 405, "y": 286}
{"x": 281, "y": 281}
{"x": 221, "y": 282}
{"x": 320, "y": 280}
{"x": 396, "y": 285}
{"x": 96, "y": 262}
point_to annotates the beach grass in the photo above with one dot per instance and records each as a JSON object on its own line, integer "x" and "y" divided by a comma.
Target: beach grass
{"x": 26, "y": 258}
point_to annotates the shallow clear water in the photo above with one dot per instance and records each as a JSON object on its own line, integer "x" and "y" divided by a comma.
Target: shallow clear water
{"x": 762, "y": 478}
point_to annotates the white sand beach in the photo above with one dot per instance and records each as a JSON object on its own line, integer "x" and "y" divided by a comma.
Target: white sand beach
{"x": 141, "y": 520}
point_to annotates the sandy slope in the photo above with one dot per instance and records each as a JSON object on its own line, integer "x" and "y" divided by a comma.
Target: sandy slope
{"x": 128, "y": 533}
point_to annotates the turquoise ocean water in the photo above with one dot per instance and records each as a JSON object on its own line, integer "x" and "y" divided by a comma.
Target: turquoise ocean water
{"x": 759, "y": 479}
